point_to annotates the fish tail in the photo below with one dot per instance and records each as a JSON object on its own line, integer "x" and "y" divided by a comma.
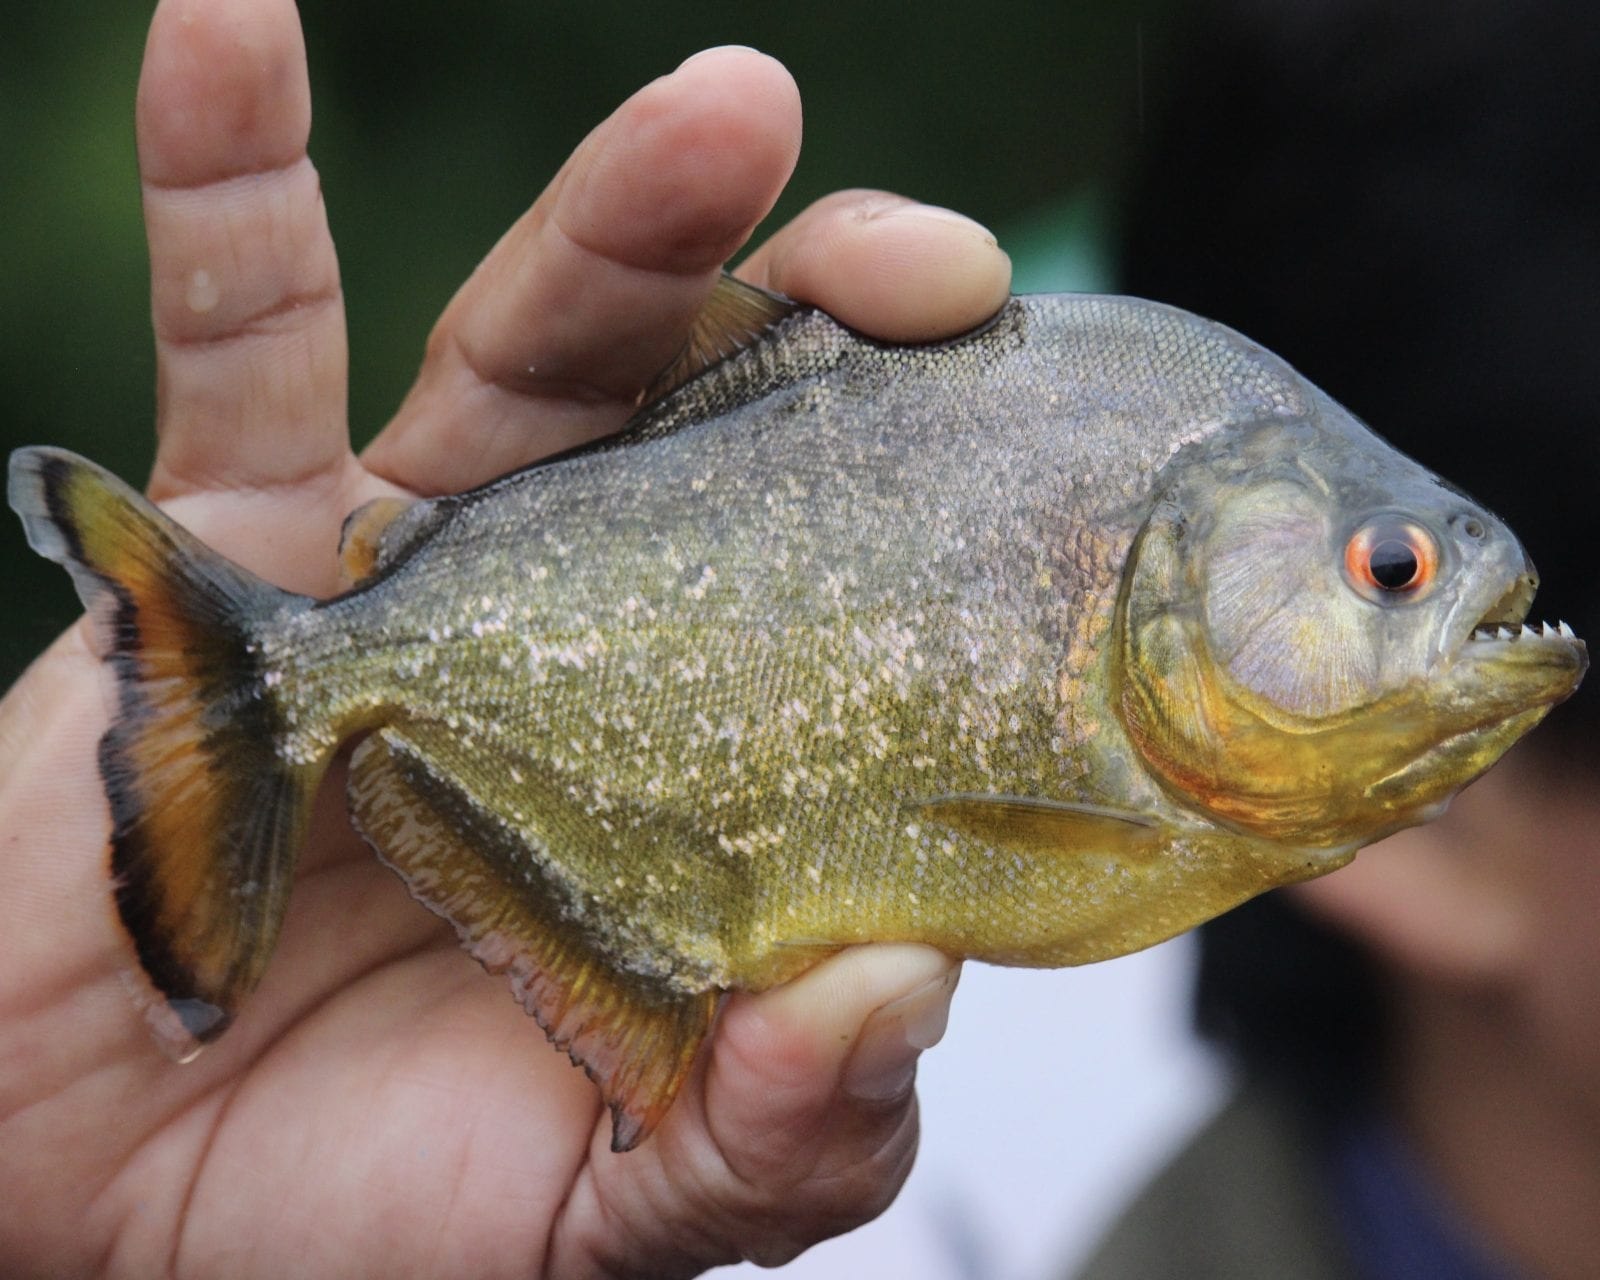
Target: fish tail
{"x": 207, "y": 817}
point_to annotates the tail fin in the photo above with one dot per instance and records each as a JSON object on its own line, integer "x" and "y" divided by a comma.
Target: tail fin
{"x": 207, "y": 819}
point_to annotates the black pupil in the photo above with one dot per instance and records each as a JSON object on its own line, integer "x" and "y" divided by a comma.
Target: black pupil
{"x": 1393, "y": 564}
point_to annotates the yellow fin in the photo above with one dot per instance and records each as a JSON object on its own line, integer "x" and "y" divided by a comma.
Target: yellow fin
{"x": 635, "y": 1036}
{"x": 736, "y": 315}
{"x": 1031, "y": 825}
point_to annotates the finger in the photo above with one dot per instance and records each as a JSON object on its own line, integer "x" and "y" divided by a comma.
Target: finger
{"x": 802, "y": 1125}
{"x": 888, "y": 266}
{"x": 591, "y": 293}
{"x": 249, "y": 321}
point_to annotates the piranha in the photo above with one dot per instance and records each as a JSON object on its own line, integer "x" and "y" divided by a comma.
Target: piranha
{"x": 1038, "y": 646}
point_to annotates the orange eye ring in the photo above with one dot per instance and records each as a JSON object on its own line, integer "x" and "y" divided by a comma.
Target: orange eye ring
{"x": 1390, "y": 559}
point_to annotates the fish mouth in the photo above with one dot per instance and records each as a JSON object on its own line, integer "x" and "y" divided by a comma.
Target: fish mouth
{"x": 1522, "y": 632}
{"x": 1502, "y": 676}
{"x": 1501, "y": 638}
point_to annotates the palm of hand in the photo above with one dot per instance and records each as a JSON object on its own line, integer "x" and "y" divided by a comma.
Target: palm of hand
{"x": 380, "y": 1107}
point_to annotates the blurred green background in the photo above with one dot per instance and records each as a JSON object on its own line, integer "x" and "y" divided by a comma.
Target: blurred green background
{"x": 435, "y": 125}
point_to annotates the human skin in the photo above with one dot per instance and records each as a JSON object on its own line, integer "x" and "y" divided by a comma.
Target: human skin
{"x": 381, "y": 1107}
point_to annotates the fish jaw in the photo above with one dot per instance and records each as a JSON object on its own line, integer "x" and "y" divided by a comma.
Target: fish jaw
{"x": 1493, "y": 678}
{"x": 1501, "y": 683}
{"x": 1502, "y": 664}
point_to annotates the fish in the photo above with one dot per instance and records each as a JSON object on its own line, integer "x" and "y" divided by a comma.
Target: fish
{"x": 1038, "y": 646}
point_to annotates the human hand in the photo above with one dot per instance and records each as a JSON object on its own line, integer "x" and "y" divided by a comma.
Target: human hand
{"x": 380, "y": 1106}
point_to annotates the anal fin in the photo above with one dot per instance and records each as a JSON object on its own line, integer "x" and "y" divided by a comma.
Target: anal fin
{"x": 635, "y": 1036}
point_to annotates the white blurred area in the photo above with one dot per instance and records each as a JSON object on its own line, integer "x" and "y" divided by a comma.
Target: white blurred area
{"x": 1051, "y": 1100}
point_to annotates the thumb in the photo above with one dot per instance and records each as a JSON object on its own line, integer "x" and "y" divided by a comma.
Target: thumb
{"x": 802, "y": 1124}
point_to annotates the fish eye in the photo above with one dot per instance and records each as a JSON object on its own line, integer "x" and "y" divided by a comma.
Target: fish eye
{"x": 1390, "y": 559}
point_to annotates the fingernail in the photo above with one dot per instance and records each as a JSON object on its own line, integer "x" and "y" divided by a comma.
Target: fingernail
{"x": 884, "y": 1063}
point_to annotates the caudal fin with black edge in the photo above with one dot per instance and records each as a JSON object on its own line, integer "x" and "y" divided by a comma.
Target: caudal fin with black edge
{"x": 207, "y": 819}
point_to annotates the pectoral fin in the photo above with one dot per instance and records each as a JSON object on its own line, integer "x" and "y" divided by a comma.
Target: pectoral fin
{"x": 635, "y": 1036}
{"x": 1030, "y": 825}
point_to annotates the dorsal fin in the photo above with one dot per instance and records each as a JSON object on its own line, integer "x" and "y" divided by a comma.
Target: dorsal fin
{"x": 736, "y": 315}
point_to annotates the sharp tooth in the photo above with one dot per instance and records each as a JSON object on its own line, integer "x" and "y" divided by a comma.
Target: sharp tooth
{"x": 1506, "y": 633}
{"x": 1566, "y": 631}
{"x": 1527, "y": 630}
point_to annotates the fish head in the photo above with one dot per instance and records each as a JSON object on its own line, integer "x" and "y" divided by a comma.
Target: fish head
{"x": 1320, "y": 641}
